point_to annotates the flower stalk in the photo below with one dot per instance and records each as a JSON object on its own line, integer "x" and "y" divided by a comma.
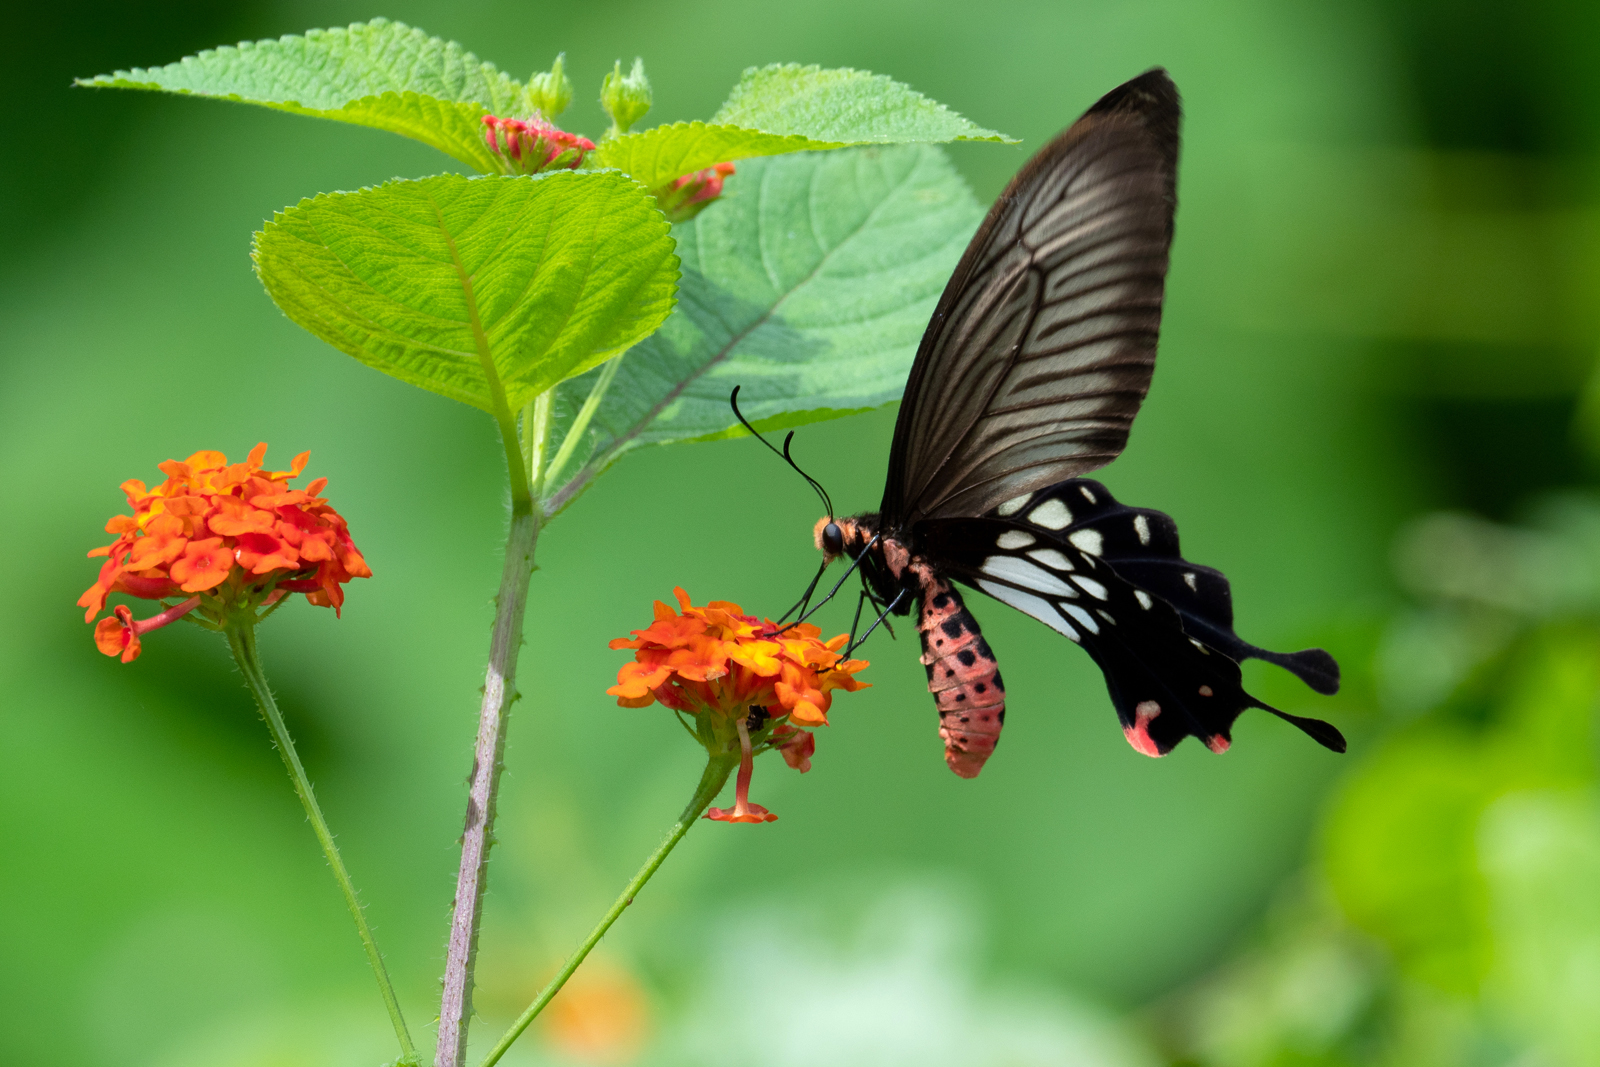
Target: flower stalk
{"x": 241, "y": 636}
{"x": 718, "y": 767}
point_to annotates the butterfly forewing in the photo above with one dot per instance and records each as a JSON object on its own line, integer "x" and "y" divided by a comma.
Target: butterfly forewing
{"x": 1043, "y": 345}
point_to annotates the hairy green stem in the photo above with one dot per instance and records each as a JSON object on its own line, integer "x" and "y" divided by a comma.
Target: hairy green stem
{"x": 242, "y": 640}
{"x": 477, "y": 835}
{"x": 718, "y": 768}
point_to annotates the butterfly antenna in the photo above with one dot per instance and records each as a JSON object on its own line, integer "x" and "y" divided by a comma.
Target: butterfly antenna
{"x": 783, "y": 453}
{"x": 827, "y": 501}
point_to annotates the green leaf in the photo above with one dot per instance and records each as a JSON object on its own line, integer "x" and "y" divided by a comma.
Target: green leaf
{"x": 658, "y": 155}
{"x": 809, "y": 284}
{"x": 544, "y": 276}
{"x": 842, "y": 106}
{"x": 380, "y": 73}
{"x": 779, "y": 109}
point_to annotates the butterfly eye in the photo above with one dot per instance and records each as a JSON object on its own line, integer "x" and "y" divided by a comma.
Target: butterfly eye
{"x": 832, "y": 539}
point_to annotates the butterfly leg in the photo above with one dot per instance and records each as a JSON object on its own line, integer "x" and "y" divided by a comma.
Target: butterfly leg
{"x": 805, "y": 598}
{"x": 861, "y": 602}
{"x": 880, "y": 620}
{"x": 854, "y": 563}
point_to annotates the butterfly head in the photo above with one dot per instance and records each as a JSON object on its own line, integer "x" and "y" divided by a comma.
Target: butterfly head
{"x": 829, "y": 538}
{"x": 843, "y": 537}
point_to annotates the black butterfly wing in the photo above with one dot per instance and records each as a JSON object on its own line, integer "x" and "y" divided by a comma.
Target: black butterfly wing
{"x": 1078, "y": 561}
{"x": 1042, "y": 346}
{"x": 1141, "y": 545}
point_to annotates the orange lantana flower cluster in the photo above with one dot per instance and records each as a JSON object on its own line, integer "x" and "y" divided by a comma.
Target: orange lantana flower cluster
{"x": 234, "y": 535}
{"x": 737, "y": 675}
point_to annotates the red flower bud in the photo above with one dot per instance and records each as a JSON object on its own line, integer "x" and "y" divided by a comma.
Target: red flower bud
{"x": 533, "y": 145}
{"x": 683, "y": 198}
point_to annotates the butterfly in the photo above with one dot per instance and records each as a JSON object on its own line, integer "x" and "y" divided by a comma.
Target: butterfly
{"x": 1035, "y": 362}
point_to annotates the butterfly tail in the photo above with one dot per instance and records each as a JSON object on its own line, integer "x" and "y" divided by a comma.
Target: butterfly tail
{"x": 963, "y": 678}
{"x": 1323, "y": 733}
{"x": 1313, "y": 666}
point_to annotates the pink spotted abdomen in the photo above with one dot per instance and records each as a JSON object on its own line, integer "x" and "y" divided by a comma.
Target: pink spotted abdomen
{"x": 962, "y": 676}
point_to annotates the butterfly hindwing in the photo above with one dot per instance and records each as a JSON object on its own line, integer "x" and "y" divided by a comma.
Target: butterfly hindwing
{"x": 1141, "y": 545}
{"x": 1076, "y": 560}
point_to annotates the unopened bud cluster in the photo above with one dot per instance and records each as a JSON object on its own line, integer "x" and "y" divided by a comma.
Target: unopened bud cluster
{"x": 550, "y": 92}
{"x": 626, "y": 98}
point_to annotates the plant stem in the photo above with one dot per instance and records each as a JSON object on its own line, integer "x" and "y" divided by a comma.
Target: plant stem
{"x": 718, "y": 768}
{"x": 242, "y": 640}
{"x": 536, "y": 415}
{"x": 499, "y": 691}
{"x": 580, "y": 422}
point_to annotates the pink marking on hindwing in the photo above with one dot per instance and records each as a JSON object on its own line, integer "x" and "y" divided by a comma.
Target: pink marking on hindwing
{"x": 962, "y": 676}
{"x": 1139, "y": 733}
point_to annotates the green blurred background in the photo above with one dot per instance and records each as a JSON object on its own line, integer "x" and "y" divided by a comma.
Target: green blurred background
{"x": 1372, "y": 412}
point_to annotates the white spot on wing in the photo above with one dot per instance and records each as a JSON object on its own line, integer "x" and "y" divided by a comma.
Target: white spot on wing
{"x": 1106, "y": 615}
{"x": 1082, "y": 616}
{"x": 1028, "y": 604}
{"x": 1144, "y": 599}
{"x": 1090, "y": 586}
{"x": 1014, "y": 539}
{"x": 1205, "y": 690}
{"x": 1084, "y": 489}
{"x": 1021, "y": 572}
{"x": 1141, "y": 526}
{"x": 1015, "y": 504}
{"x": 1188, "y": 579}
{"x": 1198, "y": 645}
{"x": 1052, "y": 515}
{"x": 1051, "y": 558}
{"x": 1088, "y": 541}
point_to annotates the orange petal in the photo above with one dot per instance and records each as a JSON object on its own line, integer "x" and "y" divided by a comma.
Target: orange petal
{"x": 206, "y": 459}
{"x": 115, "y": 636}
{"x": 205, "y": 564}
{"x": 751, "y": 813}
